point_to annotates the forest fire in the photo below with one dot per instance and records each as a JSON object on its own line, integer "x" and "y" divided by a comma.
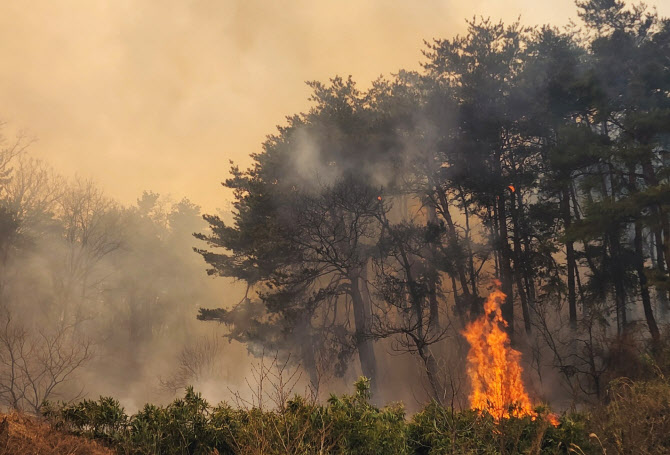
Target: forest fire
{"x": 494, "y": 368}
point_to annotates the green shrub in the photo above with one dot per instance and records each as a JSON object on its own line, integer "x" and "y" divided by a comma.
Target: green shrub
{"x": 347, "y": 424}
{"x": 438, "y": 430}
{"x": 182, "y": 427}
{"x": 358, "y": 427}
{"x": 103, "y": 419}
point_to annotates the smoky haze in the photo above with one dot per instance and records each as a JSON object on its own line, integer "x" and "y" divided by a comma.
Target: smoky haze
{"x": 129, "y": 96}
{"x": 161, "y": 94}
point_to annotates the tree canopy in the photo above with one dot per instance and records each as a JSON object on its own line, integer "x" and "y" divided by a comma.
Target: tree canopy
{"x": 530, "y": 155}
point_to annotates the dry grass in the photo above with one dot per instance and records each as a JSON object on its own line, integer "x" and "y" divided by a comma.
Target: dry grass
{"x": 636, "y": 420}
{"x": 24, "y": 434}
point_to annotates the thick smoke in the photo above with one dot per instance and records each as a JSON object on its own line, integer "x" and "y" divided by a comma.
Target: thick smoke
{"x": 161, "y": 94}
{"x": 102, "y": 296}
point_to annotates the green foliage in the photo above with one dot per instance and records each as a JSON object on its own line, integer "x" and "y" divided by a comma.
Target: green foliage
{"x": 359, "y": 428}
{"x": 347, "y": 424}
{"x": 182, "y": 427}
{"x": 438, "y": 430}
{"x": 102, "y": 419}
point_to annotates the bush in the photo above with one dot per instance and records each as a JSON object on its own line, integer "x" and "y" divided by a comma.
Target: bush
{"x": 103, "y": 419}
{"x": 347, "y": 424}
{"x": 438, "y": 430}
{"x": 357, "y": 427}
{"x": 182, "y": 427}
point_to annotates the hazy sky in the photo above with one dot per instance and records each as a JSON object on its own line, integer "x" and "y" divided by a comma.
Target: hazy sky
{"x": 161, "y": 94}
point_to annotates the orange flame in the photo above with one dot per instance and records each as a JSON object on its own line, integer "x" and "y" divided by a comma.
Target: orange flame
{"x": 494, "y": 367}
{"x": 553, "y": 419}
{"x": 511, "y": 187}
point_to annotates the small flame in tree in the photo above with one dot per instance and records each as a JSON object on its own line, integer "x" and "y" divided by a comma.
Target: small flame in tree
{"x": 493, "y": 366}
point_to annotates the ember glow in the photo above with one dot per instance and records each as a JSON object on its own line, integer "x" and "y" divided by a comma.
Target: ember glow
{"x": 493, "y": 366}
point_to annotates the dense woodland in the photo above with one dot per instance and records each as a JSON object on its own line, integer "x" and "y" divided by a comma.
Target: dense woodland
{"x": 377, "y": 221}
{"x": 95, "y": 297}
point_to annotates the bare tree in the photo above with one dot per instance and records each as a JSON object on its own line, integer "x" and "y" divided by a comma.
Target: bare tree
{"x": 27, "y": 192}
{"x": 35, "y": 364}
{"x": 91, "y": 230}
{"x": 196, "y": 361}
{"x": 403, "y": 286}
{"x": 9, "y": 150}
{"x": 32, "y": 193}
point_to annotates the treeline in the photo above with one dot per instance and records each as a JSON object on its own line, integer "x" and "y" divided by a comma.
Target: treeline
{"x": 94, "y": 295}
{"x": 531, "y": 155}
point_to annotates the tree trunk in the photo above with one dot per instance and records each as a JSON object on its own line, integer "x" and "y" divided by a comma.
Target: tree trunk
{"x": 616, "y": 269}
{"x": 432, "y": 373}
{"x": 661, "y": 231}
{"x": 471, "y": 256}
{"x": 434, "y": 321}
{"x": 303, "y": 339}
{"x": 460, "y": 309}
{"x": 453, "y": 237}
{"x": 585, "y": 243}
{"x": 570, "y": 258}
{"x": 507, "y": 307}
{"x": 644, "y": 290}
{"x": 364, "y": 343}
{"x": 666, "y": 237}
{"x": 639, "y": 266}
{"x": 618, "y": 278}
{"x": 518, "y": 267}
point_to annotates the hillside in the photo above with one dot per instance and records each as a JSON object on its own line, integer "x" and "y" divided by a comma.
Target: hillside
{"x": 27, "y": 435}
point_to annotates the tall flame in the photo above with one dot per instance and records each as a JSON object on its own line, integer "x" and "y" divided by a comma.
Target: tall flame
{"x": 493, "y": 366}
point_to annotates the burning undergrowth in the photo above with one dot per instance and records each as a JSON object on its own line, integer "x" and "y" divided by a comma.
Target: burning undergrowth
{"x": 494, "y": 367}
